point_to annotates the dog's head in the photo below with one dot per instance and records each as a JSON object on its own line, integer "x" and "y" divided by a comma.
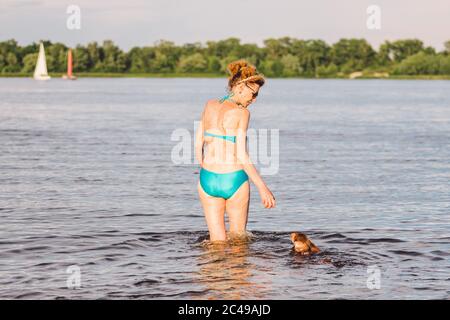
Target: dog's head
{"x": 303, "y": 244}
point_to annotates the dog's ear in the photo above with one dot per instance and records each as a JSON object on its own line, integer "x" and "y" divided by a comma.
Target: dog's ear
{"x": 313, "y": 247}
{"x": 293, "y": 236}
{"x": 301, "y": 237}
{"x": 296, "y": 236}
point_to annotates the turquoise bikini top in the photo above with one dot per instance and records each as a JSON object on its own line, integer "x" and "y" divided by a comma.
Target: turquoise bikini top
{"x": 229, "y": 138}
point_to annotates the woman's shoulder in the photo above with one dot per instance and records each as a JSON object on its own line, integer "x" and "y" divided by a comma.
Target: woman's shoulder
{"x": 241, "y": 112}
{"x": 211, "y": 103}
{"x": 244, "y": 112}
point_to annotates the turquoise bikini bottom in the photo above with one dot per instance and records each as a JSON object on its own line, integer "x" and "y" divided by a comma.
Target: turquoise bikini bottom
{"x": 222, "y": 185}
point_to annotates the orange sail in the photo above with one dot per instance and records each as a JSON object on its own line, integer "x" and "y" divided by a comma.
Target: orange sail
{"x": 69, "y": 74}
{"x": 69, "y": 63}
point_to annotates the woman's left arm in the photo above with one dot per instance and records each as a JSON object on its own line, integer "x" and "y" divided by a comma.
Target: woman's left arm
{"x": 199, "y": 142}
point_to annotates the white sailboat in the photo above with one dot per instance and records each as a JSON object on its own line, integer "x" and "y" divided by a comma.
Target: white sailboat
{"x": 40, "y": 72}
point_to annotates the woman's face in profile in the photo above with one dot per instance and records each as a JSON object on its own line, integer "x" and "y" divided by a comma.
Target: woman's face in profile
{"x": 249, "y": 92}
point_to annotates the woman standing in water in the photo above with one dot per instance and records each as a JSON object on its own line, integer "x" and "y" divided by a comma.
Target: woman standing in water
{"x": 224, "y": 185}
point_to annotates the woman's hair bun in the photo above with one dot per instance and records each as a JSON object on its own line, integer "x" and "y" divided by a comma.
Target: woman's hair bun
{"x": 240, "y": 70}
{"x": 243, "y": 67}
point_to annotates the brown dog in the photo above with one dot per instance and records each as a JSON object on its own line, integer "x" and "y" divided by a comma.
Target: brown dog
{"x": 302, "y": 244}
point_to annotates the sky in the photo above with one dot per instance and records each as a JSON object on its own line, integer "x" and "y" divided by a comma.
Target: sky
{"x": 132, "y": 23}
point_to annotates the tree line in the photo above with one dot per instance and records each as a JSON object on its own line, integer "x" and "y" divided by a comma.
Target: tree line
{"x": 282, "y": 57}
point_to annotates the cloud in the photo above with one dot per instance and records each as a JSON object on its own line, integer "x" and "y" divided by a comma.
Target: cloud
{"x": 5, "y": 4}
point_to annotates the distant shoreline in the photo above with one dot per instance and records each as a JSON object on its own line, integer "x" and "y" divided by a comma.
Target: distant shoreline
{"x": 207, "y": 75}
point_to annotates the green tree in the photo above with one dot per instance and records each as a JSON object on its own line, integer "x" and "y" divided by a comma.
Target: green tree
{"x": 291, "y": 65}
{"x": 2, "y": 62}
{"x": 385, "y": 55}
{"x": 140, "y": 59}
{"x": 193, "y": 63}
{"x": 57, "y": 57}
{"x": 166, "y": 56}
{"x": 444, "y": 64}
{"x": 29, "y": 62}
{"x": 419, "y": 63}
{"x": 251, "y": 52}
{"x": 32, "y": 48}
{"x": 276, "y": 48}
{"x": 398, "y": 50}
{"x": 81, "y": 62}
{"x": 223, "y": 48}
{"x": 327, "y": 71}
{"x": 273, "y": 68}
{"x": 12, "y": 64}
{"x": 213, "y": 64}
{"x": 96, "y": 55}
{"x": 281, "y": 57}
{"x": 10, "y": 59}
{"x": 352, "y": 54}
{"x": 191, "y": 48}
{"x": 447, "y": 46}
{"x": 114, "y": 60}
{"x": 161, "y": 63}
{"x": 266, "y": 67}
{"x": 311, "y": 54}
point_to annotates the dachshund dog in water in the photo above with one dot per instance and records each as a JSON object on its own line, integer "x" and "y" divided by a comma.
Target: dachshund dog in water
{"x": 302, "y": 244}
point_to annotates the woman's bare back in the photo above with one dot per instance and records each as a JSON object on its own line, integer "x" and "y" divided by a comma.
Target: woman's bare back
{"x": 221, "y": 119}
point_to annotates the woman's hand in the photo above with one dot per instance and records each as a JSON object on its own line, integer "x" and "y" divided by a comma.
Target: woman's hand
{"x": 267, "y": 198}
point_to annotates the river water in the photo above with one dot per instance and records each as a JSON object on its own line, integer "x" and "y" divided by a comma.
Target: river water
{"x": 95, "y": 205}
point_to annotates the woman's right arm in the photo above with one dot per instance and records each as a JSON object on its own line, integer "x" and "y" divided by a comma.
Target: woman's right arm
{"x": 266, "y": 195}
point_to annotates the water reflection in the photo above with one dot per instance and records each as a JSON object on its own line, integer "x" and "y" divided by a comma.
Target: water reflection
{"x": 226, "y": 271}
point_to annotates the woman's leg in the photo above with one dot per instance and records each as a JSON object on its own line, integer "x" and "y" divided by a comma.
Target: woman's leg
{"x": 237, "y": 208}
{"x": 214, "y": 209}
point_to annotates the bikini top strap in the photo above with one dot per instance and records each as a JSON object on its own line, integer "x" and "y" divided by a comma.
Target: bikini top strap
{"x": 224, "y": 98}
